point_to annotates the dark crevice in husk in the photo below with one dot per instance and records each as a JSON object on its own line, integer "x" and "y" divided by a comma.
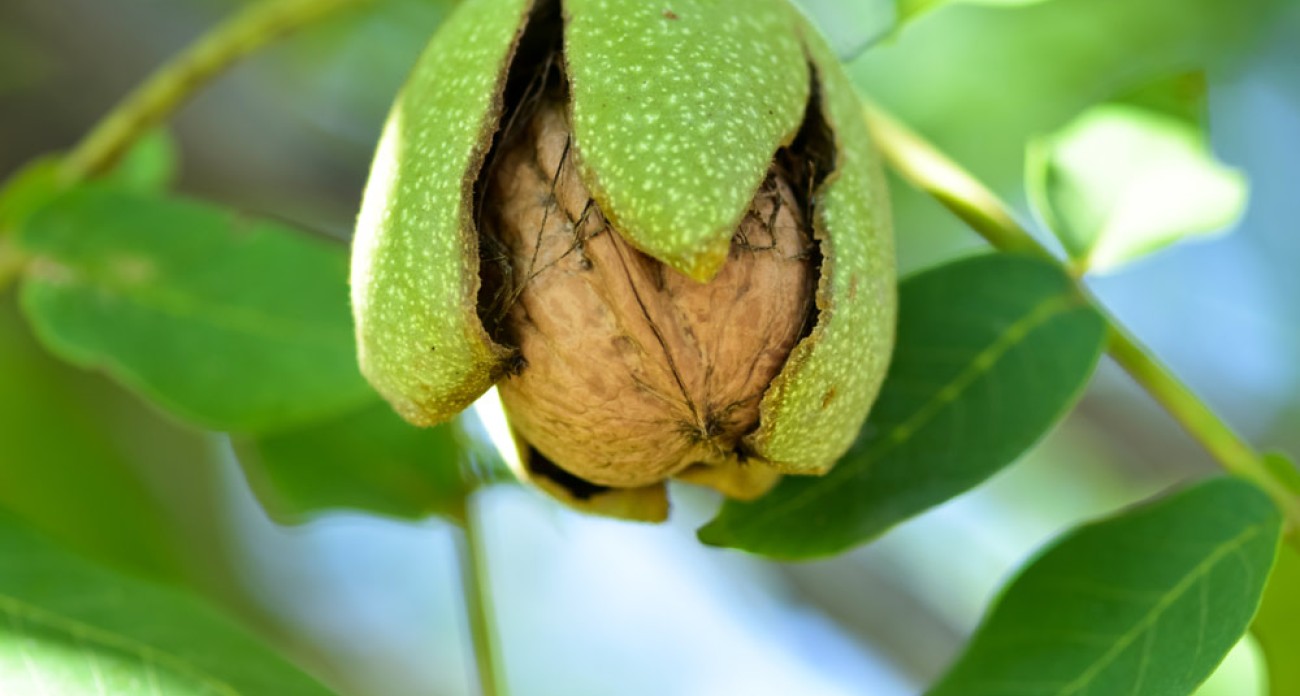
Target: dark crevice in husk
{"x": 535, "y": 74}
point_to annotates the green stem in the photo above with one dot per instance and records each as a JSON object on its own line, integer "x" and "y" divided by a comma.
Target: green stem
{"x": 475, "y": 585}
{"x": 1228, "y": 448}
{"x": 927, "y": 168}
{"x": 166, "y": 89}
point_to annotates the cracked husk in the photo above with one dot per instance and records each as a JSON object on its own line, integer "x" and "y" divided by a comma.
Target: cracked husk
{"x": 630, "y": 373}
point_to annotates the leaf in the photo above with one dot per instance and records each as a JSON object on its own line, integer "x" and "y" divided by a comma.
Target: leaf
{"x": 230, "y": 323}
{"x": 62, "y": 467}
{"x": 1147, "y": 602}
{"x": 1182, "y": 95}
{"x": 366, "y": 460}
{"x": 991, "y": 351}
{"x": 1121, "y": 182}
{"x": 1277, "y": 626}
{"x": 28, "y": 190}
{"x": 70, "y": 627}
{"x": 149, "y": 166}
{"x": 677, "y": 121}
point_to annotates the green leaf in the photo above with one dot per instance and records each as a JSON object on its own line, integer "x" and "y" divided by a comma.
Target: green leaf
{"x": 70, "y": 627}
{"x": 677, "y": 121}
{"x": 1277, "y": 626}
{"x": 63, "y": 468}
{"x": 28, "y": 190}
{"x": 367, "y": 460}
{"x": 1147, "y": 602}
{"x": 1182, "y": 95}
{"x": 991, "y": 351}
{"x": 233, "y": 324}
{"x": 149, "y": 166}
{"x": 1120, "y": 182}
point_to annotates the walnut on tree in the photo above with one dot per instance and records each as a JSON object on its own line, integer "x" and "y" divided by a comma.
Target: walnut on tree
{"x": 662, "y": 233}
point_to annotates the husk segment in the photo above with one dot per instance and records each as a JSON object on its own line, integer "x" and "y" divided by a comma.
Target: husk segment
{"x": 817, "y": 404}
{"x": 415, "y": 266}
{"x": 677, "y": 109}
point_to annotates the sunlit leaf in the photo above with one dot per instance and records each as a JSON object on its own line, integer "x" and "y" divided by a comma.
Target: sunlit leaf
{"x": 231, "y": 323}
{"x": 908, "y": 9}
{"x": 367, "y": 460}
{"x": 991, "y": 351}
{"x": 1277, "y": 627}
{"x": 1147, "y": 602}
{"x": 1121, "y": 182}
{"x": 70, "y": 627}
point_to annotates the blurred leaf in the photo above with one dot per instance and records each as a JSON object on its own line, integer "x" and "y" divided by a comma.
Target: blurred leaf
{"x": 1277, "y": 626}
{"x": 979, "y": 82}
{"x": 991, "y": 351}
{"x": 1184, "y": 96}
{"x": 28, "y": 190}
{"x": 70, "y": 627}
{"x": 367, "y": 460}
{"x": 1121, "y": 182}
{"x": 342, "y": 74}
{"x": 64, "y": 469}
{"x": 231, "y": 323}
{"x": 149, "y": 166}
{"x": 1147, "y": 602}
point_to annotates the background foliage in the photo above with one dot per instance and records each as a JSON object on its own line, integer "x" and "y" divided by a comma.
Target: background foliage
{"x": 145, "y": 511}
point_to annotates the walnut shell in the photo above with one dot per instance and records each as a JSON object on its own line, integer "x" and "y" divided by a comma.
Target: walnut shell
{"x": 632, "y": 372}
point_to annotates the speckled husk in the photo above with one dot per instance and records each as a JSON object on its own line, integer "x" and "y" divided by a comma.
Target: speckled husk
{"x": 675, "y": 121}
{"x": 633, "y": 372}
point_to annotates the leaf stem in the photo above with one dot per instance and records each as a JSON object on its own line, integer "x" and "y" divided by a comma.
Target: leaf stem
{"x": 476, "y": 587}
{"x": 154, "y": 100}
{"x": 926, "y": 167}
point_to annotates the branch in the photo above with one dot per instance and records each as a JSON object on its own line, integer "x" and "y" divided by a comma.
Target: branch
{"x": 476, "y": 589}
{"x": 180, "y": 78}
{"x": 925, "y": 167}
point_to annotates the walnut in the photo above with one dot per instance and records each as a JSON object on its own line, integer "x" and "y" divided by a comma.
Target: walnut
{"x": 631, "y": 372}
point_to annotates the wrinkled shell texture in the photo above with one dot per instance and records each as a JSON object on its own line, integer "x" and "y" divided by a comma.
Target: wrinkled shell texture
{"x": 633, "y": 371}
